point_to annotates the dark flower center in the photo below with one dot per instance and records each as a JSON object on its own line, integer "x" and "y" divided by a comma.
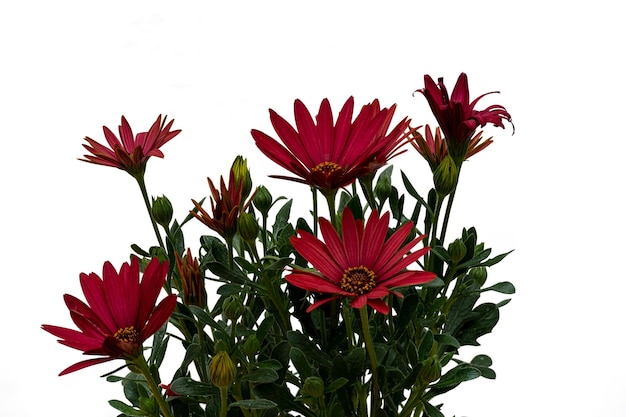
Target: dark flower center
{"x": 358, "y": 280}
{"x": 127, "y": 335}
{"x": 327, "y": 168}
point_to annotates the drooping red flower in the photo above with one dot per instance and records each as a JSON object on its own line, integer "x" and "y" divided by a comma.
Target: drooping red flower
{"x": 361, "y": 264}
{"x": 434, "y": 149}
{"x": 456, "y": 115}
{"x": 119, "y": 315}
{"x": 226, "y": 204}
{"x": 130, "y": 152}
{"x": 329, "y": 154}
{"x": 194, "y": 291}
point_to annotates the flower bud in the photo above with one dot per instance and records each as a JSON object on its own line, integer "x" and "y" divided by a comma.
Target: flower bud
{"x": 222, "y": 370}
{"x": 382, "y": 190}
{"x": 313, "y": 387}
{"x": 457, "y": 251}
{"x": 242, "y": 175}
{"x": 445, "y": 176}
{"x": 248, "y": 227}
{"x": 221, "y": 346}
{"x": 232, "y": 308}
{"x": 479, "y": 275}
{"x": 430, "y": 370}
{"x": 262, "y": 200}
{"x": 162, "y": 211}
{"x": 192, "y": 279}
{"x": 251, "y": 346}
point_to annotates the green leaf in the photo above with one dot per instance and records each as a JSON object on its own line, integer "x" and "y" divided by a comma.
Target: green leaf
{"x": 457, "y": 375}
{"x": 261, "y": 375}
{"x": 431, "y": 411}
{"x": 282, "y": 397}
{"x": 414, "y": 194}
{"x": 336, "y": 384}
{"x": 126, "y": 409}
{"x": 504, "y": 287}
{"x": 444, "y": 339}
{"x": 309, "y": 348}
{"x": 495, "y": 259}
{"x": 258, "y": 404}
{"x": 139, "y": 251}
{"x": 476, "y": 260}
{"x": 482, "y": 360}
{"x": 483, "y": 319}
{"x": 407, "y": 313}
{"x": 187, "y": 386}
{"x": 298, "y": 358}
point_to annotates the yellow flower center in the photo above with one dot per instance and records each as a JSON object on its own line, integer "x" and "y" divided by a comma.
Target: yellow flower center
{"x": 327, "y": 168}
{"x": 358, "y": 280}
{"x": 127, "y": 335}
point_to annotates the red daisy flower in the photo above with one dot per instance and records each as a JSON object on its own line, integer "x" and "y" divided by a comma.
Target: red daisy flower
{"x": 120, "y": 313}
{"x": 131, "y": 153}
{"x": 331, "y": 154}
{"x": 456, "y": 114}
{"x": 362, "y": 264}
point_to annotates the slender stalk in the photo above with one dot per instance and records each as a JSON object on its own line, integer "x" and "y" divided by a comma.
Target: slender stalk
{"x": 144, "y": 193}
{"x": 315, "y": 213}
{"x": 446, "y": 216}
{"x": 142, "y": 366}
{"x": 330, "y": 199}
{"x": 371, "y": 352}
{"x": 224, "y": 401}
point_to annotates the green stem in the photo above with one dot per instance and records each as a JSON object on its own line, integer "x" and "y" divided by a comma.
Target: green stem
{"x": 224, "y": 401}
{"x": 446, "y": 217}
{"x": 146, "y": 200}
{"x": 142, "y": 366}
{"x": 330, "y": 199}
{"x": 371, "y": 352}
{"x": 315, "y": 213}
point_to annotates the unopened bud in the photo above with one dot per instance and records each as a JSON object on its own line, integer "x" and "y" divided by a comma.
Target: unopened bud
{"x": 479, "y": 275}
{"x": 232, "y": 308}
{"x": 457, "y": 251}
{"x": 313, "y": 387}
{"x": 430, "y": 370}
{"x": 242, "y": 175}
{"x": 262, "y": 200}
{"x": 248, "y": 227}
{"x": 445, "y": 176}
{"x": 222, "y": 370}
{"x": 382, "y": 190}
{"x": 251, "y": 346}
{"x": 162, "y": 211}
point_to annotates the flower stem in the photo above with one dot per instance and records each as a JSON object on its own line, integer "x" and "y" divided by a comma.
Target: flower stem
{"x": 146, "y": 200}
{"x": 224, "y": 401}
{"x": 369, "y": 346}
{"x": 142, "y": 366}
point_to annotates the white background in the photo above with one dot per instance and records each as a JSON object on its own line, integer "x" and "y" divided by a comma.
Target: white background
{"x": 552, "y": 191}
